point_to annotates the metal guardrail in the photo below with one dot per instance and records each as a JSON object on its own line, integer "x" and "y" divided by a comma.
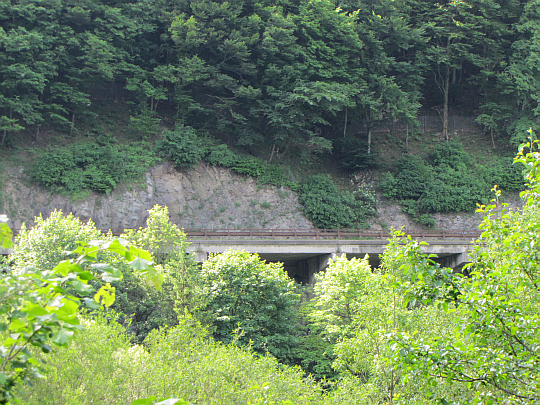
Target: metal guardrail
{"x": 312, "y": 233}
{"x": 318, "y": 234}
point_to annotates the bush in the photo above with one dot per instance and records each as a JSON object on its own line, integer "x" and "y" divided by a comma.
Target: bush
{"x": 451, "y": 154}
{"x": 147, "y": 308}
{"x": 102, "y": 367}
{"x": 329, "y": 208}
{"x": 450, "y": 183}
{"x": 257, "y": 297}
{"x": 97, "y": 166}
{"x": 247, "y": 165}
{"x": 181, "y": 146}
{"x": 409, "y": 181}
{"x": 47, "y": 242}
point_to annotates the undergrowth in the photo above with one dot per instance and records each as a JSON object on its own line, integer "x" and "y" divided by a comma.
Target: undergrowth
{"x": 98, "y": 166}
{"x": 447, "y": 181}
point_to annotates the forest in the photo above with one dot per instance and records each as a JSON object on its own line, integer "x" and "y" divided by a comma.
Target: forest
{"x": 93, "y": 93}
{"x": 306, "y": 77}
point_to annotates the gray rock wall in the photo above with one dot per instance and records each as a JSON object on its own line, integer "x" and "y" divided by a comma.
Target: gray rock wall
{"x": 202, "y": 197}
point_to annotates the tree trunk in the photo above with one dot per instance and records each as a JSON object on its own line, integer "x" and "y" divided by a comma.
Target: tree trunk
{"x": 37, "y": 132}
{"x": 446, "y": 89}
{"x": 369, "y": 140}
{"x": 151, "y": 104}
{"x": 345, "y": 123}
{"x": 72, "y": 123}
{"x": 492, "y": 140}
{"x": 272, "y": 153}
{"x": 407, "y": 138}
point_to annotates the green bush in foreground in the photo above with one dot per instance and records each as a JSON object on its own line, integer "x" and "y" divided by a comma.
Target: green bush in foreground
{"x": 102, "y": 367}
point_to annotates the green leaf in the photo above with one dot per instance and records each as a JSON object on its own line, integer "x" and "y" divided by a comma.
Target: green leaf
{"x": 17, "y": 324}
{"x": 140, "y": 253}
{"x": 65, "y": 267}
{"x": 86, "y": 276}
{"x": 6, "y": 236}
{"x": 46, "y": 348}
{"x": 62, "y": 337}
{"x": 91, "y": 303}
{"x": 172, "y": 401}
{"x": 3, "y": 377}
{"x": 81, "y": 288}
{"x": 105, "y": 295}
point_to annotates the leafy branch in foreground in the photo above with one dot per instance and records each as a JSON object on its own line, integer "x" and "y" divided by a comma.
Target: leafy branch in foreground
{"x": 494, "y": 348}
{"x": 38, "y": 307}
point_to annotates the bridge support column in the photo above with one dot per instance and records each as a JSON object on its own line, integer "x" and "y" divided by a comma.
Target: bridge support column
{"x": 317, "y": 264}
{"x": 455, "y": 261}
{"x": 200, "y": 256}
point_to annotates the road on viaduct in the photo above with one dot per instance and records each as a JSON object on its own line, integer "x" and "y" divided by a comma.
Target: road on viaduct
{"x": 305, "y": 252}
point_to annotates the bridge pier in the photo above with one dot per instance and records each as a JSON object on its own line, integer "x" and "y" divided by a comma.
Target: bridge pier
{"x": 454, "y": 261}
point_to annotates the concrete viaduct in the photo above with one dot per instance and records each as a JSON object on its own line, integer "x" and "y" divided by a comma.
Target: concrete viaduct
{"x": 306, "y": 252}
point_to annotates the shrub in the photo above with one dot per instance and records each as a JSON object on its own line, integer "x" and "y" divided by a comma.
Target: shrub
{"x": 97, "y": 166}
{"x": 257, "y": 297}
{"x": 409, "y": 181}
{"x": 47, "y": 242}
{"x": 247, "y": 165}
{"x": 451, "y": 154}
{"x": 181, "y": 146}
{"x": 101, "y": 366}
{"x": 450, "y": 183}
{"x": 329, "y": 208}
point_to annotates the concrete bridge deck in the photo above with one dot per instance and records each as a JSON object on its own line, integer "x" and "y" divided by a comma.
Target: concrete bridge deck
{"x": 302, "y": 258}
{"x": 305, "y": 252}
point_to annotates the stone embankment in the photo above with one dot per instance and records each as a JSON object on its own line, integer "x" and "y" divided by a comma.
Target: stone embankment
{"x": 204, "y": 197}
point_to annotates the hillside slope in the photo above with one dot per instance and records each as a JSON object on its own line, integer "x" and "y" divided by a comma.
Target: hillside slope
{"x": 202, "y": 197}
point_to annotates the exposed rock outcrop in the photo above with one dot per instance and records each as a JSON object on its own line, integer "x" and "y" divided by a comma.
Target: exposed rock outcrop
{"x": 202, "y": 197}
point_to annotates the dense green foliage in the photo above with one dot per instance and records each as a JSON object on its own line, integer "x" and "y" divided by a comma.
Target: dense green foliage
{"x": 329, "y": 208}
{"x": 448, "y": 181}
{"x": 39, "y": 306}
{"x": 409, "y": 332}
{"x": 247, "y": 165}
{"x": 91, "y": 166}
{"x": 254, "y": 299}
{"x": 290, "y": 77}
{"x": 492, "y": 349}
{"x": 181, "y": 362}
{"x": 181, "y": 146}
{"x": 145, "y": 308}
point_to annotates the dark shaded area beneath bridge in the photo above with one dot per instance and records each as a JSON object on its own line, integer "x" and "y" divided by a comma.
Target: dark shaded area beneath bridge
{"x": 302, "y": 269}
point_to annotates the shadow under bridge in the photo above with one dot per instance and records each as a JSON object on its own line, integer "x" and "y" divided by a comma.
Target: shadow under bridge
{"x": 303, "y": 258}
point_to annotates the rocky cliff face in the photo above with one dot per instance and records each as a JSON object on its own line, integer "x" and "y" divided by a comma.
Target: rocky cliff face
{"x": 205, "y": 197}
